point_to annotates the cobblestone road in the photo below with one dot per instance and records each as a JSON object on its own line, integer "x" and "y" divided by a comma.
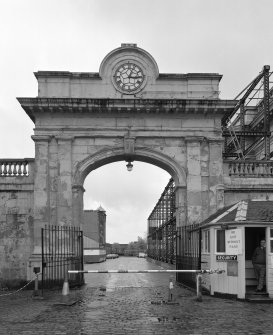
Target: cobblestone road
{"x": 130, "y": 304}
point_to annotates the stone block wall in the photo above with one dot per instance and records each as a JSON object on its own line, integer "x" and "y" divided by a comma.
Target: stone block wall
{"x": 16, "y": 229}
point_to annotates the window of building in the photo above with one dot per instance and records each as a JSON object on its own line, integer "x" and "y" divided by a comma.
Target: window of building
{"x": 220, "y": 241}
{"x": 206, "y": 241}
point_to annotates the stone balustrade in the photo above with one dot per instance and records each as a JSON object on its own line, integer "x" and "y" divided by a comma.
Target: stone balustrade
{"x": 15, "y": 167}
{"x": 241, "y": 168}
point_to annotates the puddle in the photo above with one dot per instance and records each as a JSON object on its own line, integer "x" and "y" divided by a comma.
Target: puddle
{"x": 93, "y": 314}
{"x": 151, "y": 318}
{"x": 97, "y": 304}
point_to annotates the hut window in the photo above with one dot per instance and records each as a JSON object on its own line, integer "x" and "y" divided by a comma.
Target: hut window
{"x": 206, "y": 241}
{"x": 220, "y": 241}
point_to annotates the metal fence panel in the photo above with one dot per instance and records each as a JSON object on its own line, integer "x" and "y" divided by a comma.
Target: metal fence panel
{"x": 62, "y": 250}
{"x": 188, "y": 253}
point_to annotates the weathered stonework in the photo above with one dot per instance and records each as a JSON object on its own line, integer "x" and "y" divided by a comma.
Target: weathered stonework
{"x": 16, "y": 229}
{"x": 83, "y": 122}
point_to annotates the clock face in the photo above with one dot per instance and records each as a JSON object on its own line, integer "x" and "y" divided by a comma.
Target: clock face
{"x": 129, "y": 77}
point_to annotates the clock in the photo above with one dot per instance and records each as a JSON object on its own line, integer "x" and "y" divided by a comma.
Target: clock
{"x": 129, "y": 78}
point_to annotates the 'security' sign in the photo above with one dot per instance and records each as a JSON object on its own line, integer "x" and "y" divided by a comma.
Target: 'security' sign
{"x": 234, "y": 242}
{"x": 225, "y": 258}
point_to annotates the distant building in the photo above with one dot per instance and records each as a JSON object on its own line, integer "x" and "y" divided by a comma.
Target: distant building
{"x": 124, "y": 249}
{"x": 94, "y": 235}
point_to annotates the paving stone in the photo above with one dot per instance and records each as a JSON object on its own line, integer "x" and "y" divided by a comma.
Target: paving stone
{"x": 129, "y": 310}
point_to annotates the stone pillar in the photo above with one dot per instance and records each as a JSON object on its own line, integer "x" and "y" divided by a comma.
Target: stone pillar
{"x": 194, "y": 190}
{"x": 64, "y": 197}
{"x": 205, "y": 178}
{"x": 77, "y": 205}
{"x": 216, "y": 197}
{"x": 41, "y": 189}
{"x": 53, "y": 180}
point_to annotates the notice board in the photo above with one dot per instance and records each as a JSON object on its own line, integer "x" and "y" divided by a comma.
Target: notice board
{"x": 232, "y": 268}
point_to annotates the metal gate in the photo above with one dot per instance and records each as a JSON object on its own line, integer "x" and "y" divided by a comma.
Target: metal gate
{"x": 188, "y": 253}
{"x": 62, "y": 250}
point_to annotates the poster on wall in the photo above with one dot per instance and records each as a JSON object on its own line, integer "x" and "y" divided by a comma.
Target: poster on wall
{"x": 234, "y": 242}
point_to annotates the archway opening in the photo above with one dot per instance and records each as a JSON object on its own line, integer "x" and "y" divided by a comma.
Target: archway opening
{"x": 127, "y": 199}
{"x": 161, "y": 237}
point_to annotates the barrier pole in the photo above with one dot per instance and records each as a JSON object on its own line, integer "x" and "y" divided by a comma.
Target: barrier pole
{"x": 199, "y": 287}
{"x": 197, "y": 272}
{"x": 147, "y": 271}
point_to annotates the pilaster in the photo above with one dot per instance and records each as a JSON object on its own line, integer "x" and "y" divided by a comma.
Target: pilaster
{"x": 64, "y": 197}
{"x": 181, "y": 205}
{"x": 204, "y": 162}
{"x": 77, "y": 206}
{"x": 41, "y": 189}
{"x": 194, "y": 189}
{"x": 216, "y": 194}
{"x": 53, "y": 180}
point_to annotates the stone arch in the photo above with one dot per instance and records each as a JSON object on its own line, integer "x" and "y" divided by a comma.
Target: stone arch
{"x": 143, "y": 154}
{"x": 147, "y": 155}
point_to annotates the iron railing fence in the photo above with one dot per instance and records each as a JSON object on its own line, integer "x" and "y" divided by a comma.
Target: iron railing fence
{"x": 188, "y": 253}
{"x": 162, "y": 227}
{"x": 62, "y": 250}
{"x": 162, "y": 243}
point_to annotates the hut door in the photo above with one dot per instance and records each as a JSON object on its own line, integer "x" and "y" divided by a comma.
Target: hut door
{"x": 253, "y": 235}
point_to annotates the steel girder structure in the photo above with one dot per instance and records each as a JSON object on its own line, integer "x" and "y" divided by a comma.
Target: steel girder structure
{"x": 162, "y": 227}
{"x": 247, "y": 129}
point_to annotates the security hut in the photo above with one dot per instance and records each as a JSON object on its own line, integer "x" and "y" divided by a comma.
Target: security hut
{"x": 229, "y": 238}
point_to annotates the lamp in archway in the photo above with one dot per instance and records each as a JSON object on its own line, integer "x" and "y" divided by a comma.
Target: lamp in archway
{"x": 129, "y": 166}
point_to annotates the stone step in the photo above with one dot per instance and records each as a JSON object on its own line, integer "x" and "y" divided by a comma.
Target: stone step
{"x": 261, "y": 297}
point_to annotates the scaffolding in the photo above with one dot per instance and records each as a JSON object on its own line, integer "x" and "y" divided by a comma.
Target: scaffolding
{"x": 247, "y": 129}
{"x": 162, "y": 227}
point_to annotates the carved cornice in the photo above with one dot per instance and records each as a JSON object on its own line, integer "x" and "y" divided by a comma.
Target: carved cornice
{"x": 216, "y": 140}
{"x": 66, "y": 74}
{"x": 41, "y": 138}
{"x": 34, "y": 106}
{"x": 60, "y": 138}
{"x": 184, "y": 76}
{"x": 194, "y": 139}
{"x": 96, "y": 75}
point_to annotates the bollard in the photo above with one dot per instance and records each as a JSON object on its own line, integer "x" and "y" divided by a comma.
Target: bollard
{"x": 65, "y": 290}
{"x": 170, "y": 299}
{"x": 36, "y": 293}
{"x": 199, "y": 287}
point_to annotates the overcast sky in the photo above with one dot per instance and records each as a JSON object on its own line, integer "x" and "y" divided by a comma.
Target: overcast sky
{"x": 230, "y": 37}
